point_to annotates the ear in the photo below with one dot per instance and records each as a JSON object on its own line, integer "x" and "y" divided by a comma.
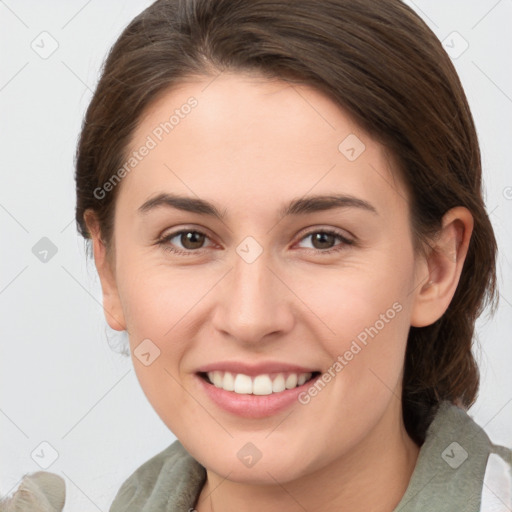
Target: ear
{"x": 111, "y": 302}
{"x": 440, "y": 272}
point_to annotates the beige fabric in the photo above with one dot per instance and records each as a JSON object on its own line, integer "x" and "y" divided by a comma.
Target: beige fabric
{"x": 38, "y": 492}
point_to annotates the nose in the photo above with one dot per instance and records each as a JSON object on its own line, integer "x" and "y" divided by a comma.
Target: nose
{"x": 254, "y": 305}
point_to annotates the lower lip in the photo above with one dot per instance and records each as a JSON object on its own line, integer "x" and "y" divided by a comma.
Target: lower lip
{"x": 253, "y": 406}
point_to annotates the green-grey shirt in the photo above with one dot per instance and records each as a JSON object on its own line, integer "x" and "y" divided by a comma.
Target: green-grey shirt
{"x": 458, "y": 469}
{"x": 451, "y": 473}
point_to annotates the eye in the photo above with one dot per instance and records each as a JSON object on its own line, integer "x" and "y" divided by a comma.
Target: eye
{"x": 322, "y": 240}
{"x": 191, "y": 240}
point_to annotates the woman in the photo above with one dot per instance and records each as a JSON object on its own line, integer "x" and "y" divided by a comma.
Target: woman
{"x": 284, "y": 202}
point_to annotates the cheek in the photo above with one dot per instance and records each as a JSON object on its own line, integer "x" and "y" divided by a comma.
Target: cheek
{"x": 156, "y": 315}
{"x": 155, "y": 298}
{"x": 366, "y": 353}
{"x": 366, "y": 315}
{"x": 352, "y": 301}
{"x": 164, "y": 305}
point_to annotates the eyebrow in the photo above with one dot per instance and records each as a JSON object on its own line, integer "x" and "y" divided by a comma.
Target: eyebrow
{"x": 298, "y": 206}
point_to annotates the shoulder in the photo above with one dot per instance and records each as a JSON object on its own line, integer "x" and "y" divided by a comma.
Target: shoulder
{"x": 170, "y": 480}
{"x": 458, "y": 467}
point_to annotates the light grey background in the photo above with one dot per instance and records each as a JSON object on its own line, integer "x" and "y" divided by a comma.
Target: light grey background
{"x": 61, "y": 382}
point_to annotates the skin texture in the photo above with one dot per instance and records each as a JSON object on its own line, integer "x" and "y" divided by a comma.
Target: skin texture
{"x": 250, "y": 146}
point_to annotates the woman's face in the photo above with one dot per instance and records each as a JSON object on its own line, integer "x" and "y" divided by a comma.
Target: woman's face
{"x": 281, "y": 286}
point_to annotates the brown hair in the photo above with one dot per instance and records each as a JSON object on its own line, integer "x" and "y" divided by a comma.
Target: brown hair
{"x": 382, "y": 64}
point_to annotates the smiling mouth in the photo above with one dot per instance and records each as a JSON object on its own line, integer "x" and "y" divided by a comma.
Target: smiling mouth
{"x": 264, "y": 384}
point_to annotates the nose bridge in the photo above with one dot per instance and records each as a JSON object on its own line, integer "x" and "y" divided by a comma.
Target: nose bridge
{"x": 251, "y": 280}
{"x": 254, "y": 302}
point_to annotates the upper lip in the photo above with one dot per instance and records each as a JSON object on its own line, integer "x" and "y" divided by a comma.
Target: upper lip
{"x": 254, "y": 369}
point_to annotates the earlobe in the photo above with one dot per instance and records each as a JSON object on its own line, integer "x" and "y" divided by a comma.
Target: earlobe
{"x": 443, "y": 267}
{"x": 111, "y": 301}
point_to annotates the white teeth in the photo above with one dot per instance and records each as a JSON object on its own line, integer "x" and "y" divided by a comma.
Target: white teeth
{"x": 217, "y": 379}
{"x": 243, "y": 384}
{"x": 262, "y": 385}
{"x": 301, "y": 379}
{"x": 278, "y": 384}
{"x": 291, "y": 381}
{"x": 229, "y": 382}
{"x": 259, "y": 385}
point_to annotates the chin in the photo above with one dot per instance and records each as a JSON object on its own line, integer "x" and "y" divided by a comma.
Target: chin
{"x": 258, "y": 462}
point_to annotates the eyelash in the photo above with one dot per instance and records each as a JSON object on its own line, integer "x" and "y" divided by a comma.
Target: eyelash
{"x": 164, "y": 241}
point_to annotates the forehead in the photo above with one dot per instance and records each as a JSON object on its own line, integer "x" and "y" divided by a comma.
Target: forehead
{"x": 242, "y": 138}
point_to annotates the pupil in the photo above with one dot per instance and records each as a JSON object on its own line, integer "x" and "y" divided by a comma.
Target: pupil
{"x": 190, "y": 239}
{"x": 319, "y": 237}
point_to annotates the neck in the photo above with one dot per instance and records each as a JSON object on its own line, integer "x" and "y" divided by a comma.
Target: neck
{"x": 373, "y": 476}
